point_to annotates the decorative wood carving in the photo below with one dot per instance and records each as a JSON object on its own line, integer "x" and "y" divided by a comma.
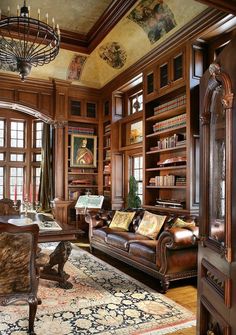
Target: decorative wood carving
{"x": 217, "y": 79}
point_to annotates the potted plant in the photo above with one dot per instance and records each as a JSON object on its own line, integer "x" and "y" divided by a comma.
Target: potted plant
{"x": 133, "y": 200}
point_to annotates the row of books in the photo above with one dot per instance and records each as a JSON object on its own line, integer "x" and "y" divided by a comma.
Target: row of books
{"x": 80, "y": 130}
{"x": 170, "y": 203}
{"x": 170, "y": 142}
{"x": 180, "y": 181}
{"x": 174, "y": 103}
{"x": 107, "y": 168}
{"x": 108, "y": 155}
{"x": 107, "y": 142}
{"x": 167, "y": 180}
{"x": 107, "y": 128}
{"x": 107, "y": 181}
{"x": 176, "y": 121}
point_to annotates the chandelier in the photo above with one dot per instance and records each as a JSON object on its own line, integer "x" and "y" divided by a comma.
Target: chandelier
{"x": 27, "y": 42}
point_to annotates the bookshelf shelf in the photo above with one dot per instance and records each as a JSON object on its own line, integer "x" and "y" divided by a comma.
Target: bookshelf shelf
{"x": 170, "y": 121}
{"x": 83, "y": 186}
{"x": 167, "y": 114}
{"x": 178, "y": 148}
{"x": 166, "y": 209}
{"x": 176, "y": 167}
{"x": 79, "y": 179}
{"x": 167, "y": 131}
{"x": 174, "y": 187}
{"x": 82, "y": 173}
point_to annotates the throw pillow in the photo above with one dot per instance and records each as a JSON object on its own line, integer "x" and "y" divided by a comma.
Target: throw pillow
{"x": 122, "y": 220}
{"x": 183, "y": 224}
{"x": 151, "y": 224}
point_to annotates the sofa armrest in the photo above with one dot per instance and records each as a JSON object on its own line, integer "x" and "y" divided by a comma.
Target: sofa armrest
{"x": 97, "y": 219}
{"x": 175, "y": 239}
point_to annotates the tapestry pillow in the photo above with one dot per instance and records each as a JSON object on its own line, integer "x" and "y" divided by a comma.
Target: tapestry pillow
{"x": 183, "y": 224}
{"x": 122, "y": 220}
{"x": 151, "y": 224}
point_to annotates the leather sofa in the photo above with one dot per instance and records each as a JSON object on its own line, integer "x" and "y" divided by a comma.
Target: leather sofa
{"x": 172, "y": 256}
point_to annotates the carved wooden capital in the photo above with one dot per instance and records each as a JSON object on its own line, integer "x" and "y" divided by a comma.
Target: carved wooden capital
{"x": 214, "y": 69}
{"x": 227, "y": 101}
{"x": 60, "y": 124}
{"x": 205, "y": 118}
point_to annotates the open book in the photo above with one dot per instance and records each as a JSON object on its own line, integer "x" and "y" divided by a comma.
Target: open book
{"x": 48, "y": 225}
{"x": 90, "y": 201}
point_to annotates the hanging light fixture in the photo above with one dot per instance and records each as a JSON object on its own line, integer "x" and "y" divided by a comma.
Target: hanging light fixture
{"x": 27, "y": 42}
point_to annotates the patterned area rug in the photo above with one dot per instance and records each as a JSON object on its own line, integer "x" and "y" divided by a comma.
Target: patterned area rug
{"x": 103, "y": 301}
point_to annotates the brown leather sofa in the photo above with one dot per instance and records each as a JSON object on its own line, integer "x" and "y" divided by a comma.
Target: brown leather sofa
{"x": 172, "y": 256}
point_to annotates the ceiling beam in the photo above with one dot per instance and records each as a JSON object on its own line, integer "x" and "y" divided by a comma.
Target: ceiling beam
{"x": 228, "y": 6}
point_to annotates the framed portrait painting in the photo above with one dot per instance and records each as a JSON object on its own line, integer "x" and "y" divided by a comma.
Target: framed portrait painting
{"x": 83, "y": 151}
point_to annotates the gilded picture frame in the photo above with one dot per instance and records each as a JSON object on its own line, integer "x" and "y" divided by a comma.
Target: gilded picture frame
{"x": 83, "y": 151}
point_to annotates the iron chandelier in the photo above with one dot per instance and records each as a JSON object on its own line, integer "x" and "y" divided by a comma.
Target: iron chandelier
{"x": 27, "y": 42}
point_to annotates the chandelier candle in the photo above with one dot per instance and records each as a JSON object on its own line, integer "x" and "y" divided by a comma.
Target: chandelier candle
{"x": 27, "y": 42}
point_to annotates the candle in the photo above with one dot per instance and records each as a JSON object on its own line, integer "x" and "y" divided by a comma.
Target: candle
{"x": 15, "y": 193}
{"x": 30, "y": 193}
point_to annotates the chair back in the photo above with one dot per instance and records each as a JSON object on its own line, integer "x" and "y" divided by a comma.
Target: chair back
{"x": 7, "y": 207}
{"x": 18, "y": 245}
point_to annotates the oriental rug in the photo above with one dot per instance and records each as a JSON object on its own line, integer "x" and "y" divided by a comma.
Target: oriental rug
{"x": 103, "y": 301}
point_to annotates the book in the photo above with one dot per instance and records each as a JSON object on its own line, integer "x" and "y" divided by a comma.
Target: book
{"x": 90, "y": 201}
{"x": 48, "y": 225}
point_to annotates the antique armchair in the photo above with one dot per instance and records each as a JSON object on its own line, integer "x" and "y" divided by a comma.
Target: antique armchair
{"x": 19, "y": 274}
{"x": 7, "y": 207}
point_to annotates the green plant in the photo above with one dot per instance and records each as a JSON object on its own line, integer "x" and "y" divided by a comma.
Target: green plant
{"x": 133, "y": 200}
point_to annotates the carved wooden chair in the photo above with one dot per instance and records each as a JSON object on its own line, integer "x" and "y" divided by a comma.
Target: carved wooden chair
{"x": 19, "y": 275}
{"x": 7, "y": 207}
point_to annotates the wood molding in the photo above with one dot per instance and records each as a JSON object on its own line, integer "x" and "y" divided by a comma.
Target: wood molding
{"x": 189, "y": 32}
{"x": 87, "y": 43}
{"x": 228, "y": 6}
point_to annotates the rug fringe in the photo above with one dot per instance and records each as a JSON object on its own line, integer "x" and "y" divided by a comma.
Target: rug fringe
{"x": 170, "y": 329}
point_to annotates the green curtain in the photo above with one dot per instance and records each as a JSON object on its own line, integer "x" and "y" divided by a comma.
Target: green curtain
{"x": 45, "y": 187}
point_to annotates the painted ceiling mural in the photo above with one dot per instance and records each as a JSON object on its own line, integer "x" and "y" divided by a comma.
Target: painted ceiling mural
{"x": 155, "y": 18}
{"x": 148, "y": 24}
{"x": 113, "y": 54}
{"x": 76, "y": 67}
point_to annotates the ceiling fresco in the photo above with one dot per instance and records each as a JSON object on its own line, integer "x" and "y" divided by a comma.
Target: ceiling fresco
{"x": 148, "y": 24}
{"x": 73, "y": 15}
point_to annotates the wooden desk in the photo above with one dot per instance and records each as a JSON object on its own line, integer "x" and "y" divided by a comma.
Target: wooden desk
{"x": 61, "y": 253}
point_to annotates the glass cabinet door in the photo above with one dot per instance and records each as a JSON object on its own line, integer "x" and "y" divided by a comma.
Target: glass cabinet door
{"x": 217, "y": 160}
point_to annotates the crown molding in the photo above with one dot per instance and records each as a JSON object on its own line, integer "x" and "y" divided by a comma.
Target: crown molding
{"x": 87, "y": 43}
{"x": 191, "y": 31}
{"x": 228, "y": 6}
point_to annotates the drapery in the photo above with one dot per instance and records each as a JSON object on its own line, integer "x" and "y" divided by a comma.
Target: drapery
{"x": 45, "y": 187}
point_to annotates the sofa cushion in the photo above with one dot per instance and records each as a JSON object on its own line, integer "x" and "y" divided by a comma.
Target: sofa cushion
{"x": 121, "y": 239}
{"x": 101, "y": 233}
{"x": 145, "y": 249}
{"x": 151, "y": 224}
{"x": 122, "y": 220}
{"x": 183, "y": 224}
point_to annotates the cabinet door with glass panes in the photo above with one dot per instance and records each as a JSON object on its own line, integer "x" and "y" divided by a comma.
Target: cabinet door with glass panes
{"x": 20, "y": 155}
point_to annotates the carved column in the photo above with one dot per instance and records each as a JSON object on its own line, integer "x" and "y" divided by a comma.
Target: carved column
{"x": 59, "y": 159}
{"x": 61, "y": 117}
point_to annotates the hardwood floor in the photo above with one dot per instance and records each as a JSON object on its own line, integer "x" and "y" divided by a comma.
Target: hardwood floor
{"x": 183, "y": 292}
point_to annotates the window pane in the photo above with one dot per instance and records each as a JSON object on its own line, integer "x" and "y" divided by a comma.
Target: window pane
{"x": 17, "y": 157}
{"x": 17, "y": 134}
{"x": 2, "y": 126}
{"x": 16, "y": 180}
{"x": 1, "y": 156}
{"x": 1, "y": 181}
{"x": 38, "y": 134}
